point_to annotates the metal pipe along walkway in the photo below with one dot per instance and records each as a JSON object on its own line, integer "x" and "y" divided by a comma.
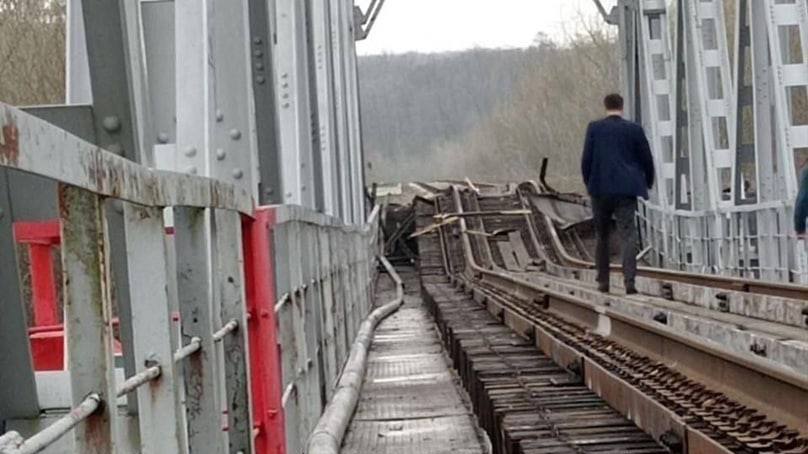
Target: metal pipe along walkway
{"x": 411, "y": 401}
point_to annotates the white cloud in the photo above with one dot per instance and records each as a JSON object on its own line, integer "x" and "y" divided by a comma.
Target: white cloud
{"x": 444, "y": 25}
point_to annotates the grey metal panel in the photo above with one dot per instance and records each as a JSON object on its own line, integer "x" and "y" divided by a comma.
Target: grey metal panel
{"x": 107, "y": 54}
{"x": 75, "y": 119}
{"x": 88, "y": 314}
{"x": 202, "y": 399}
{"x": 18, "y": 395}
{"x": 294, "y": 105}
{"x": 159, "y": 403}
{"x": 230, "y": 288}
{"x": 233, "y": 145}
{"x": 338, "y": 43}
{"x": 262, "y": 32}
{"x": 158, "y": 43}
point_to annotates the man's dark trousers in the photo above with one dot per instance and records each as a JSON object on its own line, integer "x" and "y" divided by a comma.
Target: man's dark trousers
{"x": 623, "y": 209}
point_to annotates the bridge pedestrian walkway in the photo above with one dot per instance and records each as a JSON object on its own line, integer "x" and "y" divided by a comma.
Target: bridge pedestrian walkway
{"x": 412, "y": 401}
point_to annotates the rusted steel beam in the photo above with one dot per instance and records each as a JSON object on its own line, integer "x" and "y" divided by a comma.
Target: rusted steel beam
{"x": 38, "y": 147}
{"x": 88, "y": 314}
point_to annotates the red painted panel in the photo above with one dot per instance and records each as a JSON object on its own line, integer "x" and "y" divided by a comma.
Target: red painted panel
{"x": 40, "y": 237}
{"x": 48, "y": 348}
{"x": 265, "y": 364}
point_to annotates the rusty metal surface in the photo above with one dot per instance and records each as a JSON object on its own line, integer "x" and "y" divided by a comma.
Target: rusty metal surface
{"x": 35, "y": 146}
{"x": 410, "y": 400}
{"x": 88, "y": 315}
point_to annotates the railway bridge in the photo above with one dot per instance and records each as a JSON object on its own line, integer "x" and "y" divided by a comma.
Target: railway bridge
{"x": 192, "y": 261}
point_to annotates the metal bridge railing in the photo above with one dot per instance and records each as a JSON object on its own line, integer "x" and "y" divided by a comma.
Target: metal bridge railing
{"x": 751, "y": 243}
{"x": 239, "y": 317}
{"x": 184, "y": 377}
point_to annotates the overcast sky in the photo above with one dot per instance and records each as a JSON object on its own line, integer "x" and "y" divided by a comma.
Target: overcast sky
{"x": 443, "y": 25}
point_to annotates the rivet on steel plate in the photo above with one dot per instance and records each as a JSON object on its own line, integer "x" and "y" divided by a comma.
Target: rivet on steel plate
{"x": 220, "y": 154}
{"x": 235, "y": 134}
{"x": 238, "y": 174}
{"x": 162, "y": 137}
{"x": 112, "y": 123}
{"x": 261, "y": 80}
{"x": 257, "y": 40}
{"x": 219, "y": 115}
{"x": 190, "y": 152}
{"x": 192, "y": 170}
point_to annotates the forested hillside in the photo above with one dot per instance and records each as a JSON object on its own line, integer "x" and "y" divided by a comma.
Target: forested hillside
{"x": 486, "y": 114}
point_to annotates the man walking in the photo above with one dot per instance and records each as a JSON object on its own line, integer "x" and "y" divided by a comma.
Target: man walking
{"x": 617, "y": 167}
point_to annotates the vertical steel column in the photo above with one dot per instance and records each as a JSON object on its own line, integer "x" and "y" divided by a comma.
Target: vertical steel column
{"x": 159, "y": 410}
{"x": 265, "y": 363}
{"x": 230, "y": 288}
{"x": 88, "y": 315}
{"x": 324, "y": 69}
{"x": 746, "y": 162}
{"x": 157, "y": 26}
{"x": 357, "y": 167}
{"x": 627, "y": 19}
{"x": 340, "y": 39}
{"x": 294, "y": 104}
{"x": 194, "y": 280}
{"x": 215, "y": 121}
{"x": 656, "y": 53}
{"x": 682, "y": 142}
{"x": 788, "y": 38}
{"x": 655, "y": 47}
{"x": 712, "y": 72}
{"x": 262, "y": 31}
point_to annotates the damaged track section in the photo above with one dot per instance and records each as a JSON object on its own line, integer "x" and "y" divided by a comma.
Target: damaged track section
{"x": 525, "y": 402}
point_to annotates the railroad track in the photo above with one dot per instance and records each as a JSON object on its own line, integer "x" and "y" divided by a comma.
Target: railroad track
{"x": 687, "y": 403}
{"x": 525, "y": 402}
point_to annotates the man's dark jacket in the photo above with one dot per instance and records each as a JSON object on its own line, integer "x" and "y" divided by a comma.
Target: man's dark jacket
{"x": 617, "y": 159}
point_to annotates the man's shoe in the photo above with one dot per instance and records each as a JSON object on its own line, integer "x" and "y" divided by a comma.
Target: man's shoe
{"x": 631, "y": 290}
{"x": 603, "y": 288}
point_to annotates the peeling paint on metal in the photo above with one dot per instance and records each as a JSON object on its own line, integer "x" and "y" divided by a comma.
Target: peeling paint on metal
{"x": 9, "y": 142}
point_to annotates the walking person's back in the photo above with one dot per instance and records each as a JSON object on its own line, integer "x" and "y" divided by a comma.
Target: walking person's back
{"x": 617, "y": 168}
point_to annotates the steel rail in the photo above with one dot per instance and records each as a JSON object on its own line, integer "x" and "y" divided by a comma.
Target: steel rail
{"x": 709, "y": 363}
{"x": 778, "y": 289}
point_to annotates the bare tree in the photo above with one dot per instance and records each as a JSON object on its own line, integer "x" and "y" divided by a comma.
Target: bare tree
{"x": 32, "y": 51}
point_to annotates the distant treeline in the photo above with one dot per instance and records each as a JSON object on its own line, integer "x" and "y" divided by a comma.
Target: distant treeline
{"x": 486, "y": 114}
